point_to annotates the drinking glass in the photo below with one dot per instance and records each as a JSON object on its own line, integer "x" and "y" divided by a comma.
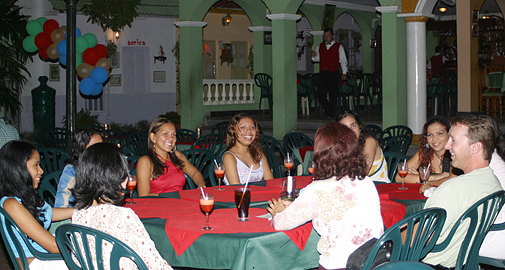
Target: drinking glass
{"x": 403, "y": 170}
{"x": 131, "y": 184}
{"x": 219, "y": 171}
{"x": 207, "y": 204}
{"x": 424, "y": 174}
{"x": 289, "y": 163}
{"x": 311, "y": 168}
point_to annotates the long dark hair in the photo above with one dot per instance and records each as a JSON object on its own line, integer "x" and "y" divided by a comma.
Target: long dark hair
{"x": 158, "y": 165}
{"x": 255, "y": 149}
{"x": 16, "y": 180}
{"x": 102, "y": 168}
{"x": 337, "y": 152}
{"x": 363, "y": 132}
{"x": 426, "y": 154}
{"x": 79, "y": 142}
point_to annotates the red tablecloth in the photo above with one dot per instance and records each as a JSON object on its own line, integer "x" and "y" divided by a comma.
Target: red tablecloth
{"x": 258, "y": 193}
{"x": 411, "y": 193}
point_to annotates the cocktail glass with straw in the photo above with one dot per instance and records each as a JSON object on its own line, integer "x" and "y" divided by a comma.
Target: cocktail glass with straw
{"x": 289, "y": 163}
{"x": 243, "y": 205}
{"x": 219, "y": 171}
{"x": 403, "y": 170}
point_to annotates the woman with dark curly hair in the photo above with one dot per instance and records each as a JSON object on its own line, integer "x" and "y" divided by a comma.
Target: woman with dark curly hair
{"x": 162, "y": 169}
{"x": 431, "y": 152}
{"x": 20, "y": 175}
{"x": 100, "y": 185}
{"x": 377, "y": 167}
{"x": 243, "y": 150}
{"x": 343, "y": 203}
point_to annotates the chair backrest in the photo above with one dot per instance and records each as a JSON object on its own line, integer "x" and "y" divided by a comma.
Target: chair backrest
{"x": 401, "y": 265}
{"x": 11, "y": 231}
{"x": 273, "y": 151}
{"x": 422, "y": 229}
{"x": 137, "y": 142}
{"x": 186, "y": 135}
{"x": 48, "y": 186}
{"x": 69, "y": 238}
{"x": 392, "y": 159}
{"x": 132, "y": 164}
{"x": 52, "y": 159}
{"x": 213, "y": 142}
{"x": 398, "y": 144}
{"x": 495, "y": 81}
{"x": 221, "y": 128}
{"x": 114, "y": 137}
{"x": 57, "y": 138}
{"x": 481, "y": 216}
{"x": 375, "y": 130}
{"x": 202, "y": 159}
{"x": 294, "y": 140}
{"x": 264, "y": 81}
{"x": 397, "y": 130}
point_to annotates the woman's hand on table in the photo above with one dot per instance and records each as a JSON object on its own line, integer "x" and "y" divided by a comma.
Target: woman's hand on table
{"x": 276, "y": 206}
{"x": 424, "y": 187}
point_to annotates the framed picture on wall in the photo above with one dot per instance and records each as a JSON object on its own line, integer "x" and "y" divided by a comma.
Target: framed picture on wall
{"x": 329, "y": 16}
{"x": 159, "y": 76}
{"x": 115, "y": 80}
{"x": 54, "y": 72}
{"x": 114, "y": 60}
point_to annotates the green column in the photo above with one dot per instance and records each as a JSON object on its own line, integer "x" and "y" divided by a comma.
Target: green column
{"x": 284, "y": 73}
{"x": 394, "y": 67}
{"x": 190, "y": 38}
{"x": 262, "y": 52}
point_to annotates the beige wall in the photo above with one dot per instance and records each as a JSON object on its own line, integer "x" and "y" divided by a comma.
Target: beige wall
{"x": 236, "y": 32}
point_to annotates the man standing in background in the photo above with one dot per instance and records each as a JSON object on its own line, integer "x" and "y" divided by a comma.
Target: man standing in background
{"x": 331, "y": 58}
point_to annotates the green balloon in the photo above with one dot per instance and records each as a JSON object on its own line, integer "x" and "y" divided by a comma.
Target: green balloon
{"x": 29, "y": 44}
{"x": 81, "y": 44}
{"x": 78, "y": 59}
{"x": 34, "y": 27}
{"x": 91, "y": 40}
{"x": 41, "y": 20}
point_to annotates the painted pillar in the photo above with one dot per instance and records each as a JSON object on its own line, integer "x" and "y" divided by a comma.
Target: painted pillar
{"x": 394, "y": 87}
{"x": 262, "y": 52}
{"x": 416, "y": 71}
{"x": 284, "y": 73}
{"x": 191, "y": 79}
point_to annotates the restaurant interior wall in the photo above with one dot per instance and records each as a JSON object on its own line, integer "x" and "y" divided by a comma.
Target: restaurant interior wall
{"x": 118, "y": 106}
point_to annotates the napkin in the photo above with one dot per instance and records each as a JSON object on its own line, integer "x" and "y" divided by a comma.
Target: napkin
{"x": 429, "y": 192}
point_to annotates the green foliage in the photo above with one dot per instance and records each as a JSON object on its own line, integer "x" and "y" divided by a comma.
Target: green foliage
{"x": 83, "y": 119}
{"x": 111, "y": 48}
{"x": 130, "y": 128}
{"x": 113, "y": 14}
{"x": 250, "y": 66}
{"x": 13, "y": 57}
{"x": 177, "y": 53}
{"x": 174, "y": 117}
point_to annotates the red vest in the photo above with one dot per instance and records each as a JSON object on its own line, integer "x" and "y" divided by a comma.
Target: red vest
{"x": 436, "y": 64}
{"x": 329, "y": 59}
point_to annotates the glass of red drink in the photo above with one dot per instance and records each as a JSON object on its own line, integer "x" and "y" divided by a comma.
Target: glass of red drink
{"x": 131, "y": 184}
{"x": 207, "y": 204}
{"x": 289, "y": 163}
{"x": 219, "y": 171}
{"x": 311, "y": 168}
{"x": 403, "y": 170}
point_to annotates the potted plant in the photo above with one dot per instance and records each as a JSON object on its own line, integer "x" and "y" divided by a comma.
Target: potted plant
{"x": 174, "y": 117}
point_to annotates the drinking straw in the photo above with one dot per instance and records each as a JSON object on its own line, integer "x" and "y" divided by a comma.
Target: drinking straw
{"x": 216, "y": 163}
{"x": 203, "y": 193}
{"x": 245, "y": 187}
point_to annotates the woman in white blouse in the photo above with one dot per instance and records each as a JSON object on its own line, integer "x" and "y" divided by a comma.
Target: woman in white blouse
{"x": 343, "y": 205}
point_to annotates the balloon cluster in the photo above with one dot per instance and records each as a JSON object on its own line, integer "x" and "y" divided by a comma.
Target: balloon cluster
{"x": 50, "y": 40}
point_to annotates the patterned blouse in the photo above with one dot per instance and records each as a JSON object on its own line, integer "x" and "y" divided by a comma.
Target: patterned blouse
{"x": 126, "y": 226}
{"x": 345, "y": 212}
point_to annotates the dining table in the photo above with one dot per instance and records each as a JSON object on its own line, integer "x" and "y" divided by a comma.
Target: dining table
{"x": 174, "y": 221}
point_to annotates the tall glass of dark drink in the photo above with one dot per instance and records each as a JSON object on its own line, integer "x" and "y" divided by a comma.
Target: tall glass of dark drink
{"x": 242, "y": 201}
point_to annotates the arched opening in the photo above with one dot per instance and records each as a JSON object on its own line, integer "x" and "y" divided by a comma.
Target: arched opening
{"x": 349, "y": 34}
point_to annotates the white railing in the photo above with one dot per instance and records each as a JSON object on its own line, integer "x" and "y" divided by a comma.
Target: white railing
{"x": 225, "y": 92}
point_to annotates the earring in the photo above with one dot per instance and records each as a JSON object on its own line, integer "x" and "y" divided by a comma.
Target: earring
{"x": 428, "y": 145}
{"x": 173, "y": 149}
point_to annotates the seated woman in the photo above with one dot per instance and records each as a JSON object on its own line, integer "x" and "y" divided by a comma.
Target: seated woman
{"x": 343, "y": 203}
{"x": 243, "y": 150}
{"x": 83, "y": 139}
{"x": 162, "y": 169}
{"x": 20, "y": 175}
{"x": 431, "y": 152}
{"x": 100, "y": 185}
{"x": 377, "y": 167}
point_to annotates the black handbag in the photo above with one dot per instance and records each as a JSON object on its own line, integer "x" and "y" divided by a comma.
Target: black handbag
{"x": 358, "y": 258}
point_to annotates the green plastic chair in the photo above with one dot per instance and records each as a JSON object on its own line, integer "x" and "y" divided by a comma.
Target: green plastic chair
{"x": 203, "y": 160}
{"x": 417, "y": 243}
{"x": 374, "y": 130}
{"x": 396, "y": 130}
{"x": 487, "y": 208}
{"x": 137, "y": 142}
{"x": 294, "y": 140}
{"x": 52, "y": 159}
{"x": 492, "y": 261}
{"x": 398, "y": 144}
{"x": 401, "y": 265}
{"x": 186, "y": 135}
{"x": 69, "y": 236}
{"x": 213, "y": 142}
{"x": 132, "y": 164}
{"x": 273, "y": 150}
{"x": 264, "y": 82}
{"x": 392, "y": 159}
{"x": 11, "y": 231}
{"x": 57, "y": 138}
{"x": 48, "y": 187}
{"x": 221, "y": 128}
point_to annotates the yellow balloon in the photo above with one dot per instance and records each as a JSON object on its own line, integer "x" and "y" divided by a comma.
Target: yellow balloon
{"x": 52, "y": 52}
{"x": 63, "y": 28}
{"x": 103, "y": 62}
{"x": 57, "y": 35}
{"x": 84, "y": 70}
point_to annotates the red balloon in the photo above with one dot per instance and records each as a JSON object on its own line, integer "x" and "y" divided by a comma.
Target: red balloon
{"x": 50, "y": 25}
{"x": 43, "y": 54}
{"x": 101, "y": 50}
{"x": 43, "y": 40}
{"x": 90, "y": 56}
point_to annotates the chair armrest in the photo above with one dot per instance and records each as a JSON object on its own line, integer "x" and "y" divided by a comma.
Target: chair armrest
{"x": 497, "y": 227}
